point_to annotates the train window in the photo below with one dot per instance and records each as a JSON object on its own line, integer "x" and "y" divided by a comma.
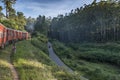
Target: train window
{"x": 4, "y": 34}
{"x": 1, "y": 35}
{"x": 8, "y": 33}
{"x": 11, "y": 33}
{"x": 14, "y": 35}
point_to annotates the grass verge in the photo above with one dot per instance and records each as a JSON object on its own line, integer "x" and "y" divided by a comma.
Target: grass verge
{"x": 76, "y": 56}
{"x": 5, "y": 72}
{"x": 32, "y": 62}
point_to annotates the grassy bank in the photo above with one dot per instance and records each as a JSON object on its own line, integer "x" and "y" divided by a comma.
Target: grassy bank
{"x": 90, "y": 59}
{"x": 5, "y": 72}
{"x": 32, "y": 62}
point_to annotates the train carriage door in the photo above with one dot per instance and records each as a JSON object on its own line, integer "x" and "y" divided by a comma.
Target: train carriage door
{"x": 7, "y": 34}
{"x": 1, "y": 37}
{"x": 4, "y": 36}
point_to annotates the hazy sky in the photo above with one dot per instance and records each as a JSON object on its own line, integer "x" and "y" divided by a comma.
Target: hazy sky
{"x": 48, "y": 7}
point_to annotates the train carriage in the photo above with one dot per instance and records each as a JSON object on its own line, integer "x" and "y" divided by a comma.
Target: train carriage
{"x": 26, "y": 35}
{"x": 8, "y": 35}
{"x": 2, "y": 35}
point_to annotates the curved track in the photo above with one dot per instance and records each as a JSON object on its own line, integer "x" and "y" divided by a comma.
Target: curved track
{"x": 59, "y": 62}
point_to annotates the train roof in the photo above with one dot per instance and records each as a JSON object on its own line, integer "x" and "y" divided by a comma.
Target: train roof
{"x": 12, "y": 29}
{"x": 2, "y": 25}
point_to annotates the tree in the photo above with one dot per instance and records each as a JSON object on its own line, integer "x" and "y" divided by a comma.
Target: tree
{"x": 1, "y": 14}
{"x": 8, "y": 5}
{"x": 21, "y": 20}
{"x": 12, "y": 14}
{"x": 96, "y": 22}
{"x": 41, "y": 24}
{"x": 30, "y": 24}
{"x": 1, "y": 8}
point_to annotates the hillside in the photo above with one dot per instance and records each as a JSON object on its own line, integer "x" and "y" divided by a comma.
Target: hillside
{"x": 31, "y": 62}
{"x": 90, "y": 59}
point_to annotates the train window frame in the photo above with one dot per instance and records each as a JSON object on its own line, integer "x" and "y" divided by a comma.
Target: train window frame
{"x": 4, "y": 34}
{"x": 1, "y": 34}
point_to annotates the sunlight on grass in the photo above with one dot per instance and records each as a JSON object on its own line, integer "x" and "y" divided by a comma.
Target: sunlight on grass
{"x": 31, "y": 63}
{"x": 4, "y": 63}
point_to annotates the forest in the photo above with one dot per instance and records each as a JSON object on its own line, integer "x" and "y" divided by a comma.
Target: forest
{"x": 96, "y": 22}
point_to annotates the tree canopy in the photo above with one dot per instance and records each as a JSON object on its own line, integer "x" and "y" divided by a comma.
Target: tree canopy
{"x": 13, "y": 19}
{"x": 96, "y": 22}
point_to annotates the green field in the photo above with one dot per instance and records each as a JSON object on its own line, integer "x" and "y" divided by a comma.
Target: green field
{"x": 95, "y": 61}
{"x": 32, "y": 62}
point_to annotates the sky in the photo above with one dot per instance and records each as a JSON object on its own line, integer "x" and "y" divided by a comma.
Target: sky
{"x": 48, "y": 8}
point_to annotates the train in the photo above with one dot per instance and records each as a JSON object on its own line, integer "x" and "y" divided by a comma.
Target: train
{"x": 8, "y": 35}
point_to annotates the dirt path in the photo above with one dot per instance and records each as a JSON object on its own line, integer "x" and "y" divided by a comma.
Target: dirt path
{"x": 13, "y": 70}
{"x": 57, "y": 60}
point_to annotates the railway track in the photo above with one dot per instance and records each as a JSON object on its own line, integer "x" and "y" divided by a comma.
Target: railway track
{"x": 59, "y": 62}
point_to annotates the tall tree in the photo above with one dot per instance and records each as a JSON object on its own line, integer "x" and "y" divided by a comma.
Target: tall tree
{"x": 96, "y": 22}
{"x": 21, "y": 21}
{"x": 41, "y": 24}
{"x": 8, "y": 5}
{"x": 1, "y": 14}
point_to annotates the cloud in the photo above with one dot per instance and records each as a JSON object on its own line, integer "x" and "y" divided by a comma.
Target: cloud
{"x": 48, "y": 7}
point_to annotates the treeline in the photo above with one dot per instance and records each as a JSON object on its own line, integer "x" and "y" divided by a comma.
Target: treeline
{"x": 41, "y": 25}
{"x": 12, "y": 18}
{"x": 96, "y": 22}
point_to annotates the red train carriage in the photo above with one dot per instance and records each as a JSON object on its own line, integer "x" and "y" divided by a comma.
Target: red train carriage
{"x": 17, "y": 35}
{"x": 26, "y": 35}
{"x": 2, "y": 35}
{"x": 20, "y": 35}
{"x": 9, "y": 35}
{"x": 23, "y": 35}
{"x": 14, "y": 34}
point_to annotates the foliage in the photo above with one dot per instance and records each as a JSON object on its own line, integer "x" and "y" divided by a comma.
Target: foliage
{"x": 89, "y": 59}
{"x": 14, "y": 20}
{"x": 8, "y": 5}
{"x": 10, "y": 24}
{"x": 42, "y": 40}
{"x": 41, "y": 24}
{"x": 108, "y": 52}
{"x": 96, "y": 22}
{"x": 30, "y": 22}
